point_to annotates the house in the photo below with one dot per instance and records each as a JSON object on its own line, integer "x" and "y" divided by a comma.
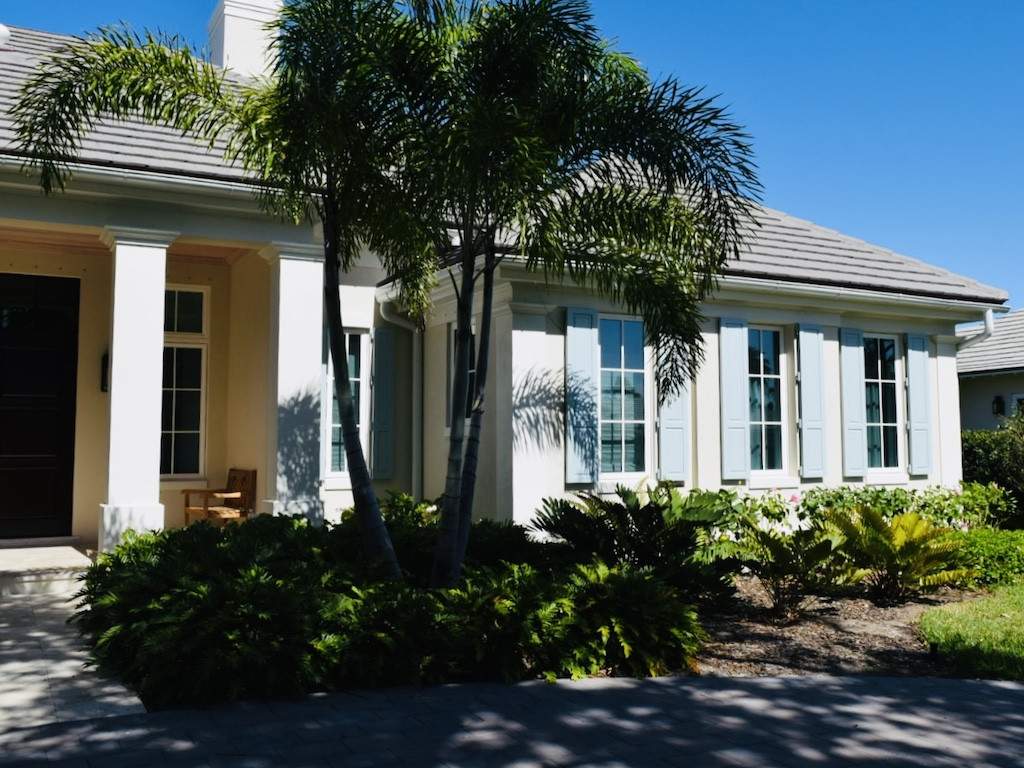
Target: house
{"x": 992, "y": 373}
{"x": 156, "y": 329}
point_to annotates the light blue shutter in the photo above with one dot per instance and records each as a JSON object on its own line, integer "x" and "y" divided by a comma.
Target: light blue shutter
{"x": 674, "y": 437}
{"x": 382, "y": 433}
{"x": 855, "y": 446}
{"x": 581, "y": 450}
{"x": 735, "y": 400}
{"x": 919, "y": 405}
{"x": 812, "y": 403}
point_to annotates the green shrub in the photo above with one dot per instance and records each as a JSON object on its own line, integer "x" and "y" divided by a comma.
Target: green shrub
{"x": 975, "y": 504}
{"x": 413, "y": 527}
{"x": 623, "y": 621}
{"x": 983, "y": 637}
{"x": 995, "y": 556}
{"x": 900, "y": 556}
{"x": 658, "y": 528}
{"x": 377, "y": 635}
{"x": 203, "y": 614}
{"x": 997, "y": 456}
{"x": 499, "y": 624}
{"x": 274, "y": 607}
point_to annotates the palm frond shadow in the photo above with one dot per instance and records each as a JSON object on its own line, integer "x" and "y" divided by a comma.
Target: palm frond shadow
{"x": 539, "y": 415}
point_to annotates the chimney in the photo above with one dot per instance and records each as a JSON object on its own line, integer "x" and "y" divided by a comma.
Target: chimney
{"x": 239, "y": 40}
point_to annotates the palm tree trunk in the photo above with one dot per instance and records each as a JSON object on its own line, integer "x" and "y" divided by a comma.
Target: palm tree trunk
{"x": 476, "y": 420}
{"x": 444, "y": 571}
{"x": 377, "y": 546}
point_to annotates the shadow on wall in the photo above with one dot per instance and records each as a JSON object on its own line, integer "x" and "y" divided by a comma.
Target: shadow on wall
{"x": 298, "y": 456}
{"x": 539, "y": 414}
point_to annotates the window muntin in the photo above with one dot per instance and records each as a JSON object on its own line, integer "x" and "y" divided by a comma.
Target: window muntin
{"x": 471, "y": 390}
{"x": 184, "y": 383}
{"x": 880, "y": 399}
{"x": 622, "y": 405}
{"x": 356, "y": 371}
{"x": 764, "y": 386}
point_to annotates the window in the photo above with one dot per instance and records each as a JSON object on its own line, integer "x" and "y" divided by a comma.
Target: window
{"x": 622, "y": 410}
{"x": 764, "y": 382}
{"x": 1016, "y": 405}
{"x": 357, "y": 343}
{"x": 880, "y": 400}
{"x": 184, "y": 378}
{"x": 470, "y": 391}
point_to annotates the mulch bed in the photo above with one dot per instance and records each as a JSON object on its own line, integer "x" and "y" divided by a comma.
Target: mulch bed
{"x": 832, "y": 635}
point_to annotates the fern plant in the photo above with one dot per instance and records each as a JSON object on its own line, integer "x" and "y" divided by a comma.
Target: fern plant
{"x": 900, "y": 556}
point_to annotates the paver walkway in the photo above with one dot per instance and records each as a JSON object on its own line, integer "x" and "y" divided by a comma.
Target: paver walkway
{"x": 43, "y": 677}
{"x": 608, "y": 723}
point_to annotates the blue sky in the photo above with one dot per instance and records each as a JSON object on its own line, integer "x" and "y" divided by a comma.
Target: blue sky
{"x": 898, "y": 122}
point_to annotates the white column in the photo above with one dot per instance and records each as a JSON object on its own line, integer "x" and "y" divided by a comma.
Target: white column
{"x": 947, "y": 461}
{"x": 295, "y": 373}
{"x": 136, "y": 370}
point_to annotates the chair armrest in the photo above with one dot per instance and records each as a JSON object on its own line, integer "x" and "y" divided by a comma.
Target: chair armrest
{"x": 227, "y": 494}
{"x": 203, "y": 491}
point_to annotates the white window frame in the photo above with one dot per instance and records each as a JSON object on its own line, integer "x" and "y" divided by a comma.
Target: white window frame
{"x": 608, "y": 480}
{"x": 782, "y": 477}
{"x": 897, "y": 473}
{"x": 340, "y": 480}
{"x": 200, "y": 341}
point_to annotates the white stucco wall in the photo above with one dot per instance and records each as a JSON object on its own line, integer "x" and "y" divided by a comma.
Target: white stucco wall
{"x": 533, "y": 394}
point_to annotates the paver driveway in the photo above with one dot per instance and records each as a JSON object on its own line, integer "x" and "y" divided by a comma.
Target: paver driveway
{"x": 43, "y": 677}
{"x": 665, "y": 722}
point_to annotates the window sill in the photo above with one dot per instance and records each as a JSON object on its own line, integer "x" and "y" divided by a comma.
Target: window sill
{"x": 886, "y": 477}
{"x": 606, "y": 484}
{"x": 761, "y": 481}
{"x": 336, "y": 483}
{"x": 172, "y": 483}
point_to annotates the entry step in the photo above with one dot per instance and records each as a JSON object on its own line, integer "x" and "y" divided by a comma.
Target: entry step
{"x": 43, "y": 570}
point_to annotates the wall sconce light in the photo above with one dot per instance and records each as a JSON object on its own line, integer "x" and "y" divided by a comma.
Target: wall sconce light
{"x": 105, "y": 372}
{"x": 998, "y": 406}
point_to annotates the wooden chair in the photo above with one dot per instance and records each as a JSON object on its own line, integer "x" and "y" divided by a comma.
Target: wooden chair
{"x": 232, "y": 504}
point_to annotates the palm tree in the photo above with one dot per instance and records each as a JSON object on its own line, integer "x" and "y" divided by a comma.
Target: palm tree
{"x": 345, "y": 68}
{"x": 549, "y": 145}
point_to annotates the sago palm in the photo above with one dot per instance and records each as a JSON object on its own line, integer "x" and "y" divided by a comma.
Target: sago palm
{"x": 901, "y": 556}
{"x": 320, "y": 138}
{"x": 550, "y": 146}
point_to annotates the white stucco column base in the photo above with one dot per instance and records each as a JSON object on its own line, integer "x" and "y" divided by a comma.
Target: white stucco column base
{"x": 115, "y": 520}
{"x": 136, "y": 375}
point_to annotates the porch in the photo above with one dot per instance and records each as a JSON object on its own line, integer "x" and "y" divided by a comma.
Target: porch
{"x": 137, "y": 362}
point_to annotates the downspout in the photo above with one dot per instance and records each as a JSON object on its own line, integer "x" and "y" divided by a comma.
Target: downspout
{"x": 988, "y": 330}
{"x": 385, "y": 300}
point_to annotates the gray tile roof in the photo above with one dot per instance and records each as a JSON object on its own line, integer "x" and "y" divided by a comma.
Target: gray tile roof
{"x": 130, "y": 144}
{"x": 1002, "y": 351}
{"x": 782, "y": 247}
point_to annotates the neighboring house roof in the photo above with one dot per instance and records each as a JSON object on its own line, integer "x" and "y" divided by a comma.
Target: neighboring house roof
{"x": 1002, "y": 351}
{"x": 783, "y": 247}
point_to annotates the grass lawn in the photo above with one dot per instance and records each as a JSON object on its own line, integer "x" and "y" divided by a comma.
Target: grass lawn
{"x": 983, "y": 637}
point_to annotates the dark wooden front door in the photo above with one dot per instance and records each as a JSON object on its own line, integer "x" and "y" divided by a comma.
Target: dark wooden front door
{"x": 38, "y": 368}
